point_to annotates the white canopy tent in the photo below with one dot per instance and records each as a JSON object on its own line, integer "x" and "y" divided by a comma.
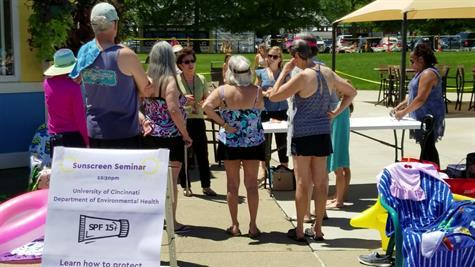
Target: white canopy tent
{"x": 384, "y": 10}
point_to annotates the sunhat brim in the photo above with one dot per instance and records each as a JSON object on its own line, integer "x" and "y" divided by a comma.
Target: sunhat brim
{"x": 55, "y": 71}
{"x": 177, "y": 48}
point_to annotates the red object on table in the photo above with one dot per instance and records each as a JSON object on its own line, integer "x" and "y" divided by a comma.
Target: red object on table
{"x": 462, "y": 186}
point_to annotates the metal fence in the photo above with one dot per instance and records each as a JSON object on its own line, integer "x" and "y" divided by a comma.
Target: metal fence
{"x": 247, "y": 43}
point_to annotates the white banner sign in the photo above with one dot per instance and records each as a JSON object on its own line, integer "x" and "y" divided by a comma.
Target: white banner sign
{"x": 105, "y": 208}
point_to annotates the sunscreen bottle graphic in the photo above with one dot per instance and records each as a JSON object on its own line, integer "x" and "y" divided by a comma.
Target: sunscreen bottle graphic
{"x": 92, "y": 228}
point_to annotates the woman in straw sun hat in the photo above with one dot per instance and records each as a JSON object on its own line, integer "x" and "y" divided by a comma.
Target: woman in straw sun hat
{"x": 63, "y": 98}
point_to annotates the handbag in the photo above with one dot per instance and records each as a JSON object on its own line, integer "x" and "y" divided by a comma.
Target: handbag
{"x": 282, "y": 178}
{"x": 456, "y": 170}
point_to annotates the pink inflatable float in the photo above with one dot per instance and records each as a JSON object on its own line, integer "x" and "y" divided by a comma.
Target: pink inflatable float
{"x": 22, "y": 219}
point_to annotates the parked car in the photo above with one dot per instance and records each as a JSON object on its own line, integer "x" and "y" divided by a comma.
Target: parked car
{"x": 450, "y": 42}
{"x": 328, "y": 45}
{"x": 132, "y": 44}
{"x": 320, "y": 44}
{"x": 420, "y": 40}
{"x": 467, "y": 40}
{"x": 344, "y": 43}
{"x": 388, "y": 44}
{"x": 344, "y": 40}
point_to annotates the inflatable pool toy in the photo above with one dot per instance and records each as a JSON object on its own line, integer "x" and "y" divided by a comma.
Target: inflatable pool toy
{"x": 373, "y": 218}
{"x": 22, "y": 220}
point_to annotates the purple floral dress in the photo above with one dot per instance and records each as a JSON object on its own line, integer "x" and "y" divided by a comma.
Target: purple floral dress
{"x": 156, "y": 109}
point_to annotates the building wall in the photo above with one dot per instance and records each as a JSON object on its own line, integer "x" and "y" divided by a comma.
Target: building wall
{"x": 31, "y": 67}
{"x": 22, "y": 107}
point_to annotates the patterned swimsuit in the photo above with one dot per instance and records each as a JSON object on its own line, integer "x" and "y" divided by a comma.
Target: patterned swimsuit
{"x": 156, "y": 109}
{"x": 247, "y": 122}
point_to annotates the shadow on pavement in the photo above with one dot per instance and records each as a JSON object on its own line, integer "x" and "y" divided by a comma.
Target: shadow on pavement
{"x": 350, "y": 243}
{"x": 342, "y": 223}
{"x": 361, "y": 196}
{"x": 219, "y": 198}
{"x": 206, "y": 232}
{"x": 273, "y": 237}
{"x": 183, "y": 264}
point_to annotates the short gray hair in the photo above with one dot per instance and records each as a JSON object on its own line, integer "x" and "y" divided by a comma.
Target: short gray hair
{"x": 103, "y": 16}
{"x": 101, "y": 24}
{"x": 239, "y": 71}
{"x": 162, "y": 63}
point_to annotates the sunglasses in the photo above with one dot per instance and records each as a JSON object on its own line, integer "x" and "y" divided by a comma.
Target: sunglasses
{"x": 186, "y": 62}
{"x": 273, "y": 56}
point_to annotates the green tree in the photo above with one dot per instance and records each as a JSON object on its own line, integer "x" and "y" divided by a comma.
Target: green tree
{"x": 265, "y": 16}
{"x": 49, "y": 25}
{"x": 65, "y": 23}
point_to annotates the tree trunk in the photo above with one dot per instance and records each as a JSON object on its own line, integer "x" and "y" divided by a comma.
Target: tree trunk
{"x": 196, "y": 28}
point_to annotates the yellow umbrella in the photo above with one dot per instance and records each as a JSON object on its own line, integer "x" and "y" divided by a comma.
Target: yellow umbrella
{"x": 381, "y": 10}
{"x": 438, "y": 9}
{"x": 378, "y": 10}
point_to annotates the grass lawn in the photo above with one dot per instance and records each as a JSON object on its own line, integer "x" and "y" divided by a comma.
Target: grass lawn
{"x": 357, "y": 67}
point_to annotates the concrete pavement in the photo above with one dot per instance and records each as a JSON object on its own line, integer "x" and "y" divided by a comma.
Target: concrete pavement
{"x": 210, "y": 246}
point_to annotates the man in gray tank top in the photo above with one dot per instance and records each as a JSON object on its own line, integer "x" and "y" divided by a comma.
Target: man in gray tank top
{"x": 113, "y": 79}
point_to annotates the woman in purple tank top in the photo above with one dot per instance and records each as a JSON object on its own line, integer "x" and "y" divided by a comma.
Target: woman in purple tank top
{"x": 310, "y": 125}
{"x": 165, "y": 109}
{"x": 424, "y": 98}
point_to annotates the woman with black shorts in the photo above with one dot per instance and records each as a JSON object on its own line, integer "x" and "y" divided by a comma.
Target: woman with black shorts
{"x": 310, "y": 127}
{"x": 165, "y": 109}
{"x": 241, "y": 137}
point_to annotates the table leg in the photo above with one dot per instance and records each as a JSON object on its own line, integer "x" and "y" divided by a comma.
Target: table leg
{"x": 402, "y": 143}
{"x": 268, "y": 149}
{"x": 395, "y": 146}
{"x": 213, "y": 136}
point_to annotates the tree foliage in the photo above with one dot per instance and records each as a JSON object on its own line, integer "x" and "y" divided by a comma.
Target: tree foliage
{"x": 65, "y": 23}
{"x": 265, "y": 16}
{"x": 58, "y": 23}
{"x": 49, "y": 25}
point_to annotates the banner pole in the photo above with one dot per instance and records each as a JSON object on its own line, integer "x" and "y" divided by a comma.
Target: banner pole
{"x": 170, "y": 220}
{"x": 187, "y": 186}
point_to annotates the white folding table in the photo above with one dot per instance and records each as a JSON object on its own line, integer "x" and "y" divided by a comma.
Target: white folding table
{"x": 356, "y": 125}
{"x": 363, "y": 124}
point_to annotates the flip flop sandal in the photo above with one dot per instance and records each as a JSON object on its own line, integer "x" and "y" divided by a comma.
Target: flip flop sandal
{"x": 254, "y": 235}
{"x": 187, "y": 193}
{"x": 311, "y": 233}
{"x": 230, "y": 232}
{"x": 292, "y": 234}
{"x": 318, "y": 238}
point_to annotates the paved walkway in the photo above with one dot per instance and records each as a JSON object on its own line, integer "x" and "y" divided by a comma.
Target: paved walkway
{"x": 208, "y": 244}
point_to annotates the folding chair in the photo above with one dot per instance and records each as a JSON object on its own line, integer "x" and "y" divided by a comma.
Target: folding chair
{"x": 409, "y": 219}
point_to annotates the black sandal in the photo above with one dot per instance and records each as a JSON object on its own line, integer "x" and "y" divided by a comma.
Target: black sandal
{"x": 292, "y": 234}
{"x": 230, "y": 232}
{"x": 254, "y": 235}
{"x": 311, "y": 233}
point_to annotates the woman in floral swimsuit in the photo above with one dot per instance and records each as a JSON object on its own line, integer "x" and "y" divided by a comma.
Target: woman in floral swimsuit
{"x": 241, "y": 137}
{"x": 166, "y": 113}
